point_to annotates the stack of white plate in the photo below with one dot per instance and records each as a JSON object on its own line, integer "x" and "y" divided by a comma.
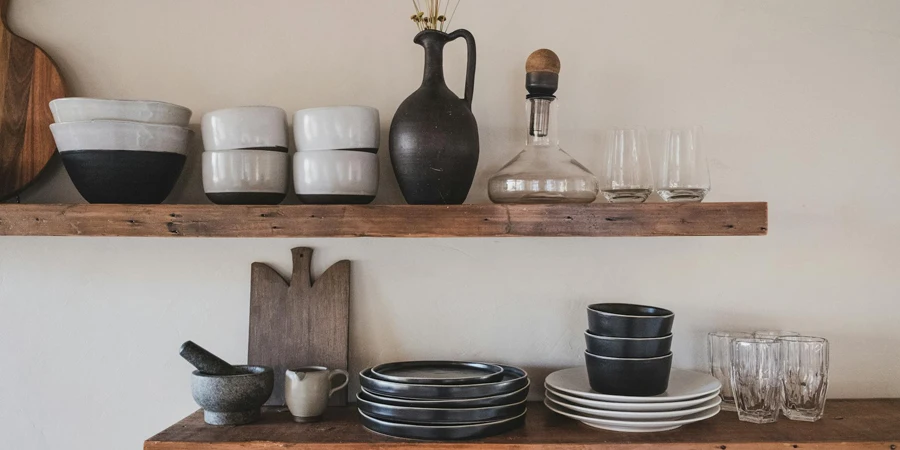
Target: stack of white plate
{"x": 691, "y": 397}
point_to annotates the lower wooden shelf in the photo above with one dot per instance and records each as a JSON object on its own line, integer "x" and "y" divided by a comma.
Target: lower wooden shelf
{"x": 848, "y": 424}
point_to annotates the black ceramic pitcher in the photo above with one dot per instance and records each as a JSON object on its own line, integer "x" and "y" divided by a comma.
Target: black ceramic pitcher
{"x": 434, "y": 136}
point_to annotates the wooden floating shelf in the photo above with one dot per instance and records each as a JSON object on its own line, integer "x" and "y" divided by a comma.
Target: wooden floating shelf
{"x": 309, "y": 221}
{"x": 848, "y": 424}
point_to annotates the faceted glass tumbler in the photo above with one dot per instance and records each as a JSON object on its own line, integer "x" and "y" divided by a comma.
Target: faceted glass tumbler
{"x": 720, "y": 363}
{"x": 805, "y": 377}
{"x": 756, "y": 379}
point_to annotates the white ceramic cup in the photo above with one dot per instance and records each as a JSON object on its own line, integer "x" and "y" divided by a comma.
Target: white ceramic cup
{"x": 121, "y": 135}
{"x": 245, "y": 128}
{"x": 340, "y": 174}
{"x": 307, "y": 390}
{"x": 75, "y": 109}
{"x": 337, "y": 128}
{"x": 245, "y": 171}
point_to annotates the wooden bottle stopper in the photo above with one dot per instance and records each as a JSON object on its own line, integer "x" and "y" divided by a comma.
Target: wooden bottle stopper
{"x": 542, "y": 73}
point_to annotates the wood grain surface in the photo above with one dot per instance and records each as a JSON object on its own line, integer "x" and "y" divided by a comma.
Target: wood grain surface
{"x": 29, "y": 80}
{"x": 848, "y": 425}
{"x": 300, "y": 323}
{"x": 596, "y": 220}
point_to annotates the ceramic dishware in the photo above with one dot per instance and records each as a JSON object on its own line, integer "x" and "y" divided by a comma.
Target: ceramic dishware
{"x": 628, "y": 347}
{"x": 632, "y": 407}
{"x": 441, "y": 432}
{"x": 432, "y": 416}
{"x": 122, "y": 162}
{"x": 246, "y": 128}
{"x": 336, "y": 177}
{"x": 672, "y": 414}
{"x": 307, "y": 390}
{"x": 683, "y": 385}
{"x": 513, "y": 380}
{"x": 629, "y": 321}
{"x": 438, "y": 372}
{"x": 642, "y": 377}
{"x": 356, "y": 128}
{"x": 479, "y": 402}
{"x": 245, "y": 177}
{"x": 75, "y": 109}
{"x": 233, "y": 399}
{"x": 632, "y": 426}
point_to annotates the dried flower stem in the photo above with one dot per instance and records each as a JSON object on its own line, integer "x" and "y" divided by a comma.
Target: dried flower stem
{"x": 430, "y": 16}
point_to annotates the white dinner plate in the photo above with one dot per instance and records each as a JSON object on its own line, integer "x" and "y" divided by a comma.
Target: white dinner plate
{"x": 633, "y": 407}
{"x": 632, "y": 426}
{"x": 625, "y": 415}
{"x": 683, "y": 385}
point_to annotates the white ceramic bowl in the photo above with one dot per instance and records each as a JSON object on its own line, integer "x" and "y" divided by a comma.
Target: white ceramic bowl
{"x": 247, "y": 177}
{"x": 246, "y": 128}
{"x": 336, "y": 177}
{"x": 121, "y": 135}
{"x": 76, "y": 109}
{"x": 337, "y": 128}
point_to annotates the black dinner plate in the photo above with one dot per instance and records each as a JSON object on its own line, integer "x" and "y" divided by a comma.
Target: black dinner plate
{"x": 441, "y": 432}
{"x": 513, "y": 380}
{"x": 437, "y": 416}
{"x": 438, "y": 372}
{"x": 494, "y": 400}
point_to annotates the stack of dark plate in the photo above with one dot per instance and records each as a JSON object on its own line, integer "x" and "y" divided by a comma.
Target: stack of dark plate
{"x": 442, "y": 400}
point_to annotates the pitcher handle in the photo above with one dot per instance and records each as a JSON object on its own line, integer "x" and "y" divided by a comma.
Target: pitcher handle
{"x": 335, "y": 373}
{"x": 472, "y": 59}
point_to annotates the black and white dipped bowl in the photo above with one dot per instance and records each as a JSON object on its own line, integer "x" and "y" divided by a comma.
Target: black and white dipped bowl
{"x": 113, "y": 161}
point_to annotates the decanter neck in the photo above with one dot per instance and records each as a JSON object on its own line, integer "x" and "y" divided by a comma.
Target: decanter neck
{"x": 542, "y": 127}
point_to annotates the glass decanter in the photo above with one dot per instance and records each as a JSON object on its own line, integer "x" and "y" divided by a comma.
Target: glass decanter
{"x": 543, "y": 172}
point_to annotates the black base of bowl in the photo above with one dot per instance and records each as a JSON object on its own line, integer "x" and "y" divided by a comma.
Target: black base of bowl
{"x": 643, "y": 377}
{"x": 628, "y": 347}
{"x": 121, "y": 176}
{"x": 246, "y": 198}
{"x": 337, "y": 199}
{"x": 630, "y": 321}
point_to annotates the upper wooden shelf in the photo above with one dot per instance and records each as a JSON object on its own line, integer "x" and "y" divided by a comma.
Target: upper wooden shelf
{"x": 853, "y": 424}
{"x": 596, "y": 220}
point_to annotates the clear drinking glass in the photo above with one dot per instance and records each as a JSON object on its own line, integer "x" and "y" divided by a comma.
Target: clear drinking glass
{"x": 756, "y": 378}
{"x": 628, "y": 177}
{"x": 684, "y": 172}
{"x": 720, "y": 362}
{"x": 773, "y": 334}
{"x": 805, "y": 376}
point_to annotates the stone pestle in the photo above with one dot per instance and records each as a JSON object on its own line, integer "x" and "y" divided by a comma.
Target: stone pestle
{"x": 205, "y": 361}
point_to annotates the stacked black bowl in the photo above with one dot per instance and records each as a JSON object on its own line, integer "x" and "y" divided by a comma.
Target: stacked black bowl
{"x": 442, "y": 400}
{"x": 629, "y": 349}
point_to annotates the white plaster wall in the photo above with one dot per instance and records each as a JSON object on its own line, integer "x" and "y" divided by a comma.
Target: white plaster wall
{"x": 800, "y": 100}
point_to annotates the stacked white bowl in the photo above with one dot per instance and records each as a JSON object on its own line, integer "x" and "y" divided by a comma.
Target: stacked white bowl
{"x": 246, "y": 157}
{"x": 121, "y": 151}
{"x": 337, "y": 155}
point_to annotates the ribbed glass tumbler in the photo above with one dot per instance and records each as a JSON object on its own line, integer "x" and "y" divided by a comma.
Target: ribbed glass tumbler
{"x": 756, "y": 379}
{"x": 720, "y": 362}
{"x": 805, "y": 376}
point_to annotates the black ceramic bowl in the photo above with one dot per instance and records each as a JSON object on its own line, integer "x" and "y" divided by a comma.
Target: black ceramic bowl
{"x": 628, "y": 347}
{"x": 629, "y": 321}
{"x": 633, "y": 377}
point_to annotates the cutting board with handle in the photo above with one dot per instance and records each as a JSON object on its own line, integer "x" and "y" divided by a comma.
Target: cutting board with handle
{"x": 29, "y": 80}
{"x": 296, "y": 323}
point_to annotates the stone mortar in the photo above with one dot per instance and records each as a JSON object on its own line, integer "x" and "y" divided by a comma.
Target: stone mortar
{"x": 233, "y": 399}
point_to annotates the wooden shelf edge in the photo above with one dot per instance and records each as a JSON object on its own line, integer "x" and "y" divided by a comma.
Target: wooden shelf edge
{"x": 311, "y": 221}
{"x": 849, "y": 424}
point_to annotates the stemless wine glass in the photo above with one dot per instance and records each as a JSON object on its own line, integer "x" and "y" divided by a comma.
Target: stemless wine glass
{"x": 628, "y": 177}
{"x": 720, "y": 362}
{"x": 684, "y": 174}
{"x": 805, "y": 376}
{"x": 756, "y": 378}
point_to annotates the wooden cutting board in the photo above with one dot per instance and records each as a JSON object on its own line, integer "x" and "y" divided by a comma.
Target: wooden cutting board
{"x": 29, "y": 80}
{"x": 297, "y": 323}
